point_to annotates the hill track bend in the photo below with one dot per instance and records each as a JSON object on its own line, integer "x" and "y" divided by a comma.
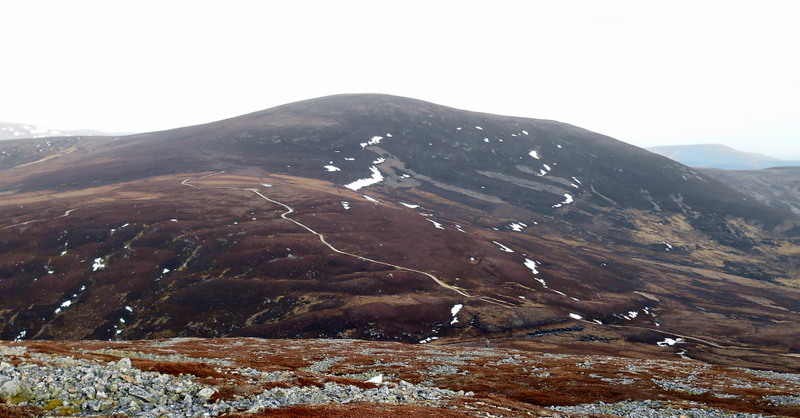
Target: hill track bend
{"x": 289, "y": 210}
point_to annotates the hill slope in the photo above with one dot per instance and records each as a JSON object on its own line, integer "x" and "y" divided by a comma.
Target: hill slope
{"x": 778, "y": 187}
{"x": 378, "y": 217}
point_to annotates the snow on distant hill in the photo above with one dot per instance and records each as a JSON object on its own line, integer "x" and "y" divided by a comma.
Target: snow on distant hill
{"x": 20, "y": 130}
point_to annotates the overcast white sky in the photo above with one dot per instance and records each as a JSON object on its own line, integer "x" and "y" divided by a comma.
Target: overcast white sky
{"x": 645, "y": 72}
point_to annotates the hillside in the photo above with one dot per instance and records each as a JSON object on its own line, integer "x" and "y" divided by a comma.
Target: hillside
{"x": 778, "y": 187}
{"x": 720, "y": 157}
{"x": 383, "y": 218}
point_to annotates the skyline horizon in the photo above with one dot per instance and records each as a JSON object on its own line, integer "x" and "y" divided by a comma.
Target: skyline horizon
{"x": 645, "y": 73}
{"x": 787, "y": 157}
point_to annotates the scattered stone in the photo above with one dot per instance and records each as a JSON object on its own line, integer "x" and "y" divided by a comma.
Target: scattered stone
{"x": 783, "y": 400}
{"x": 80, "y": 387}
{"x": 124, "y": 363}
{"x": 205, "y": 393}
{"x": 648, "y": 408}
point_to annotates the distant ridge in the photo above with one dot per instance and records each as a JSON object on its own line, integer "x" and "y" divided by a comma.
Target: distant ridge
{"x": 719, "y": 156}
{"x": 9, "y": 130}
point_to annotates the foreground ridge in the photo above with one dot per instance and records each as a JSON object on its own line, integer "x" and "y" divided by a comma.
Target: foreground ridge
{"x": 249, "y": 377}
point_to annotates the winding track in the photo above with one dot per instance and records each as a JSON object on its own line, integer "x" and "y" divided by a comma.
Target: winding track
{"x": 40, "y": 220}
{"x": 289, "y": 210}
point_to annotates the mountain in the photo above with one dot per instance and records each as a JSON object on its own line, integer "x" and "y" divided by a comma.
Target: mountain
{"x": 719, "y": 156}
{"x": 387, "y": 218}
{"x": 19, "y": 131}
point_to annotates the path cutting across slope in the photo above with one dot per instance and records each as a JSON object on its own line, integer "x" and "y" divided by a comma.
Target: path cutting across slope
{"x": 40, "y": 220}
{"x": 289, "y": 210}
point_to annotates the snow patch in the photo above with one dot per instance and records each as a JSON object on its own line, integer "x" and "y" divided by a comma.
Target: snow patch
{"x": 575, "y": 316}
{"x": 517, "y": 226}
{"x": 379, "y": 160}
{"x": 478, "y": 128}
{"x": 371, "y": 199}
{"x": 331, "y": 168}
{"x": 454, "y": 311}
{"x": 427, "y": 340}
{"x": 503, "y": 247}
{"x": 98, "y": 264}
{"x": 346, "y": 205}
{"x": 67, "y": 303}
{"x": 531, "y": 264}
{"x": 436, "y": 224}
{"x": 374, "y": 141}
{"x": 534, "y": 154}
{"x": 630, "y": 315}
{"x": 567, "y": 200}
{"x": 669, "y": 341}
{"x": 376, "y": 177}
{"x": 409, "y": 205}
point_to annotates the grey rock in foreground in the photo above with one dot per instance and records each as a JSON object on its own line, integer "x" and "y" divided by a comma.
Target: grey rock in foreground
{"x": 79, "y": 387}
{"x": 639, "y": 409}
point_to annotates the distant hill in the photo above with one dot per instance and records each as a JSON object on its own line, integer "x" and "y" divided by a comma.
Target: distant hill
{"x": 719, "y": 156}
{"x": 10, "y": 130}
